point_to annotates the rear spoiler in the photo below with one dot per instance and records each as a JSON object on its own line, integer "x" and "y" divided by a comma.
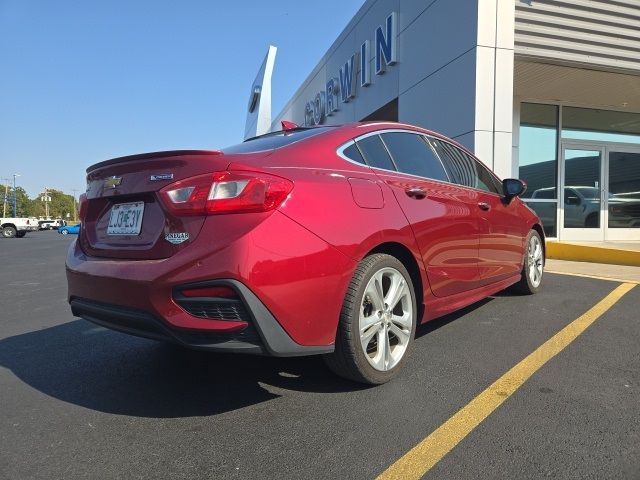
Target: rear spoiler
{"x": 142, "y": 156}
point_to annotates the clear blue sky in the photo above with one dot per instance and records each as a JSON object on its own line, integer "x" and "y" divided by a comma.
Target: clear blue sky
{"x": 83, "y": 81}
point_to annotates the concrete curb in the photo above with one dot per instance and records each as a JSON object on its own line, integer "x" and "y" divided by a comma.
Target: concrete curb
{"x": 594, "y": 254}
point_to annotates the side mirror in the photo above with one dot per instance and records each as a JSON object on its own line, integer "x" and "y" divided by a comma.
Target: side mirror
{"x": 512, "y": 187}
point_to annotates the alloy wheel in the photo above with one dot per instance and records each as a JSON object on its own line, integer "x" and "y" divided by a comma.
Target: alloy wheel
{"x": 386, "y": 319}
{"x": 535, "y": 261}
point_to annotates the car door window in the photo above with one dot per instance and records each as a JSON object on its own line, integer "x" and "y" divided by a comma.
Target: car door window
{"x": 413, "y": 155}
{"x": 487, "y": 180}
{"x": 464, "y": 169}
{"x": 375, "y": 153}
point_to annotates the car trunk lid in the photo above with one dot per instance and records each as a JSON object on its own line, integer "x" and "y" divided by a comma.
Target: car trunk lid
{"x": 124, "y": 216}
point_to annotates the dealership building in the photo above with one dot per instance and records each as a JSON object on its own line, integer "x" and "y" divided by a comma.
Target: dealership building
{"x": 544, "y": 90}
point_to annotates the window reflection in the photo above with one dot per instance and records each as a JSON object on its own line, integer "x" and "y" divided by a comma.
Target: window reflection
{"x": 600, "y": 125}
{"x": 547, "y": 213}
{"x": 624, "y": 190}
{"x": 537, "y": 155}
{"x": 582, "y": 188}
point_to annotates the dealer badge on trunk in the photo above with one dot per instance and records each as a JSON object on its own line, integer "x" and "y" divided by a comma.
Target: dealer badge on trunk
{"x": 177, "y": 237}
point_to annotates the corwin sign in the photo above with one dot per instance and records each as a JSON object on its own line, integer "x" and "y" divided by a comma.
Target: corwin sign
{"x": 342, "y": 88}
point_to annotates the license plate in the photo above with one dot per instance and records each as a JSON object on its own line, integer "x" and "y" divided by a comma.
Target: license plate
{"x": 126, "y": 219}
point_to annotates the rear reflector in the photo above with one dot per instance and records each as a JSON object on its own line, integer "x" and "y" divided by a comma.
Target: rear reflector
{"x": 226, "y": 192}
{"x": 218, "y": 292}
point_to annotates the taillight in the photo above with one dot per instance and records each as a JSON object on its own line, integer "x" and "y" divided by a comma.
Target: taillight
{"x": 226, "y": 192}
{"x": 83, "y": 206}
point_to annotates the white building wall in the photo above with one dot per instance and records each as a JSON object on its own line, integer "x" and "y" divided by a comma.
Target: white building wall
{"x": 454, "y": 73}
{"x": 601, "y": 34}
{"x": 494, "y": 85}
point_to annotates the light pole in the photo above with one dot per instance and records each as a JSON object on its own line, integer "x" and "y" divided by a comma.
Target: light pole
{"x": 15, "y": 201}
{"x": 46, "y": 199}
{"x": 6, "y": 197}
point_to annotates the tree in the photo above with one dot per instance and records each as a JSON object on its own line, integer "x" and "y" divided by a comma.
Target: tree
{"x": 61, "y": 204}
{"x": 23, "y": 204}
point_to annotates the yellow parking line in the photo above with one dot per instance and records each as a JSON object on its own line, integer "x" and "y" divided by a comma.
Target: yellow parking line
{"x": 421, "y": 458}
{"x": 597, "y": 277}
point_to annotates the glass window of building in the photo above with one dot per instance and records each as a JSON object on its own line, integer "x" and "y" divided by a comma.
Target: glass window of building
{"x": 547, "y": 211}
{"x": 624, "y": 190}
{"x": 538, "y": 147}
{"x": 582, "y": 188}
{"x": 538, "y": 161}
{"x": 600, "y": 125}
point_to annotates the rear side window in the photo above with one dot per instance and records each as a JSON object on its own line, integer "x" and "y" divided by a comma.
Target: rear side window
{"x": 352, "y": 153}
{"x": 271, "y": 141}
{"x": 413, "y": 155}
{"x": 464, "y": 169}
{"x": 375, "y": 153}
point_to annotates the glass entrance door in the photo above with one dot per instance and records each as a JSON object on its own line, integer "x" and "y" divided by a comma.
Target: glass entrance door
{"x": 583, "y": 196}
{"x": 623, "y": 188}
{"x": 600, "y": 198}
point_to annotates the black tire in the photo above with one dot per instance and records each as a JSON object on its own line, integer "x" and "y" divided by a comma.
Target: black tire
{"x": 527, "y": 285}
{"x": 9, "y": 232}
{"x": 21, "y": 234}
{"x": 348, "y": 360}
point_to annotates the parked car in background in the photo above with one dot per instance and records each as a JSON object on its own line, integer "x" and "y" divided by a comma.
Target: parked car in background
{"x": 67, "y": 229}
{"x": 328, "y": 240}
{"x": 582, "y": 207}
{"x": 17, "y": 227}
{"x": 51, "y": 224}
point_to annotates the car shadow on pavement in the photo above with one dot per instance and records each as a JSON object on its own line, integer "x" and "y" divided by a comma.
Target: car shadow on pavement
{"x": 432, "y": 325}
{"x": 102, "y": 370}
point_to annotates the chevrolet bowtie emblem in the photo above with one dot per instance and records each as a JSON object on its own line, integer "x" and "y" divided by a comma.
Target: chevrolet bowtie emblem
{"x": 112, "y": 182}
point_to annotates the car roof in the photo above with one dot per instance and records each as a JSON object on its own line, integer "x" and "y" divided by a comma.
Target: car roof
{"x": 356, "y": 129}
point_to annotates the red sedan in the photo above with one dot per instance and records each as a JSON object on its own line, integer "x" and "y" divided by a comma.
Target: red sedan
{"x": 331, "y": 240}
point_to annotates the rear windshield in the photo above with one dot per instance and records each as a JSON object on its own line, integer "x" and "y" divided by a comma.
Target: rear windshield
{"x": 271, "y": 141}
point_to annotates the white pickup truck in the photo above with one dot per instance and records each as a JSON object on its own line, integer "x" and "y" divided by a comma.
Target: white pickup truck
{"x": 17, "y": 227}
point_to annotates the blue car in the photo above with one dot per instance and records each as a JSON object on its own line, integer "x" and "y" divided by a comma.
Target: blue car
{"x": 75, "y": 229}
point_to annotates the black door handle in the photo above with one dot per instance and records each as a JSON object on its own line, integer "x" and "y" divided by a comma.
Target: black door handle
{"x": 484, "y": 206}
{"x": 416, "y": 192}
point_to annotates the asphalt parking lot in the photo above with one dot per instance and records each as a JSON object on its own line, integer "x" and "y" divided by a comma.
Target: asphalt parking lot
{"x": 79, "y": 401}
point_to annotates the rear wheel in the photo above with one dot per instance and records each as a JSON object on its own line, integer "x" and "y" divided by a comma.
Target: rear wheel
{"x": 533, "y": 268}
{"x": 377, "y": 322}
{"x": 21, "y": 234}
{"x": 65, "y": 232}
{"x": 9, "y": 232}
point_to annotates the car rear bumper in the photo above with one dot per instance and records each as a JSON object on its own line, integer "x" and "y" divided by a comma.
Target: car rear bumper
{"x": 282, "y": 273}
{"x": 262, "y": 335}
